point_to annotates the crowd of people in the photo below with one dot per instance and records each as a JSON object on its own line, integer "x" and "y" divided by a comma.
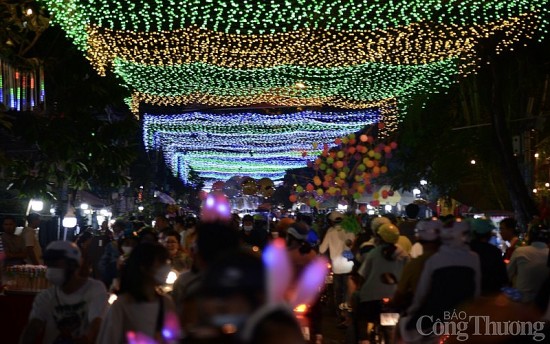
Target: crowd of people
{"x": 421, "y": 269}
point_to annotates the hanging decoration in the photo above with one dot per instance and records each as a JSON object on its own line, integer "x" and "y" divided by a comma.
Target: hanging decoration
{"x": 304, "y": 53}
{"x": 21, "y": 90}
{"x": 349, "y": 169}
{"x": 265, "y": 17}
{"x": 254, "y": 144}
{"x": 418, "y": 43}
{"x": 249, "y": 101}
{"x": 346, "y": 54}
{"x": 364, "y": 83}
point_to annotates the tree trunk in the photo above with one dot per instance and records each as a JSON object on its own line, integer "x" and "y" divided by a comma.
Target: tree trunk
{"x": 524, "y": 206}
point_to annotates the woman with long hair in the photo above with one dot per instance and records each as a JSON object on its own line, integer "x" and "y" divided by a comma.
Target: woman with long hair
{"x": 140, "y": 307}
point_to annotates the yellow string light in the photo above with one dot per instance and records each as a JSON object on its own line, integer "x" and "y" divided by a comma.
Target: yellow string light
{"x": 413, "y": 44}
{"x": 264, "y": 99}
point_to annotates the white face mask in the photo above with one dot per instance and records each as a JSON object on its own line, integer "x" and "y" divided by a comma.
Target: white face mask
{"x": 162, "y": 273}
{"x": 127, "y": 249}
{"x": 56, "y": 276}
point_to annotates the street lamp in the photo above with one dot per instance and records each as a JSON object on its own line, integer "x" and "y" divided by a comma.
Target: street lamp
{"x": 69, "y": 220}
{"x": 37, "y": 205}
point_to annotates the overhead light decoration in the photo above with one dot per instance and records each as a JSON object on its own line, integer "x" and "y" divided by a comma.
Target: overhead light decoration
{"x": 219, "y": 145}
{"x": 373, "y": 56}
{"x": 306, "y": 34}
{"x": 366, "y": 82}
{"x": 235, "y": 101}
{"x": 265, "y": 17}
{"x": 417, "y": 43}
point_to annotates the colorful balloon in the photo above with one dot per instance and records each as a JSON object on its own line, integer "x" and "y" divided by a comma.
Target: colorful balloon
{"x": 266, "y": 187}
{"x": 218, "y": 186}
{"x": 249, "y": 186}
{"x": 317, "y": 181}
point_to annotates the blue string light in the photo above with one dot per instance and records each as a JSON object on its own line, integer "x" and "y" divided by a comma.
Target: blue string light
{"x": 218, "y": 145}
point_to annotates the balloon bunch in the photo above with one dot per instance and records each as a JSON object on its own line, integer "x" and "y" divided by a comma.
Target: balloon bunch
{"x": 348, "y": 169}
{"x": 245, "y": 186}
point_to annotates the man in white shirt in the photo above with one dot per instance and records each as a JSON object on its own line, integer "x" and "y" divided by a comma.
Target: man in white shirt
{"x": 527, "y": 268}
{"x": 34, "y": 251}
{"x": 72, "y": 309}
{"x": 336, "y": 241}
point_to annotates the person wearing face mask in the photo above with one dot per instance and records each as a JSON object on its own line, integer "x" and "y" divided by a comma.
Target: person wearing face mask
{"x": 126, "y": 244}
{"x": 108, "y": 262}
{"x": 70, "y": 311}
{"x": 252, "y": 233}
{"x": 140, "y": 307}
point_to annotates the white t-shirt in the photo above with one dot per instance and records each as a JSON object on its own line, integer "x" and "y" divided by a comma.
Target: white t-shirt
{"x": 528, "y": 269}
{"x": 335, "y": 243}
{"x": 69, "y": 315}
{"x": 127, "y": 315}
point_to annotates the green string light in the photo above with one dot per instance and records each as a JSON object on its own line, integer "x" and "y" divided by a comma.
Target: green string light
{"x": 259, "y": 17}
{"x": 367, "y": 82}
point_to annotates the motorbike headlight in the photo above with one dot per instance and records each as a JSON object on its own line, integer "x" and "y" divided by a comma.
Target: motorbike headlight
{"x": 172, "y": 277}
{"x": 112, "y": 298}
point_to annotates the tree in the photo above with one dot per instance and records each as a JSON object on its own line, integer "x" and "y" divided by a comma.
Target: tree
{"x": 23, "y": 23}
{"x": 84, "y": 140}
{"x": 77, "y": 153}
{"x": 475, "y": 121}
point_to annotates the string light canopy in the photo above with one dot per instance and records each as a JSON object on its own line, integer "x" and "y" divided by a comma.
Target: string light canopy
{"x": 139, "y": 36}
{"x": 367, "y": 82}
{"x": 349, "y": 54}
{"x": 264, "y": 17}
{"x": 413, "y": 44}
{"x": 248, "y": 143}
{"x": 223, "y": 168}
